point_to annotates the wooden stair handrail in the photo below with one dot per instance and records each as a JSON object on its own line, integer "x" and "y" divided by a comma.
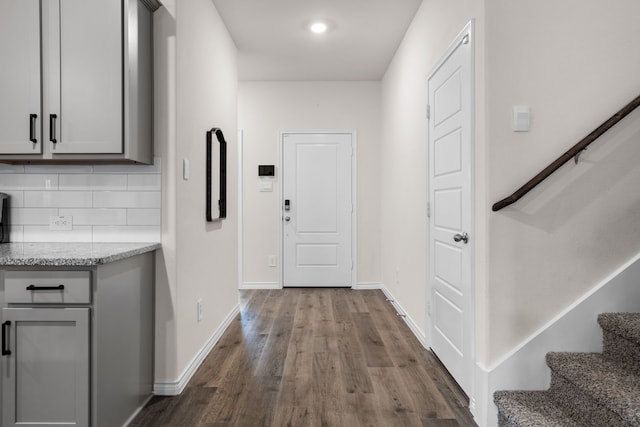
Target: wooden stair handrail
{"x": 573, "y": 152}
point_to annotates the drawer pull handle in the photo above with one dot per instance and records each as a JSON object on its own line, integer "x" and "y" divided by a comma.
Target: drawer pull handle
{"x": 45, "y": 288}
{"x": 5, "y": 326}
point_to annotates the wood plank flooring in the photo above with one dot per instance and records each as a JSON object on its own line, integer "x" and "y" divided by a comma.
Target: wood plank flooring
{"x": 315, "y": 357}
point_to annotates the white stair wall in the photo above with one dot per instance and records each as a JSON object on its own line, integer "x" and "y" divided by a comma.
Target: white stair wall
{"x": 575, "y": 330}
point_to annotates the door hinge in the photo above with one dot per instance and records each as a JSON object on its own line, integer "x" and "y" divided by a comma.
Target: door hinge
{"x": 428, "y": 209}
{"x": 428, "y": 112}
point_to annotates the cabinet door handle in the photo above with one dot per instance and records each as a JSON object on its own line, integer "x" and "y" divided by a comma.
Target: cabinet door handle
{"x": 32, "y": 128}
{"x": 45, "y": 288}
{"x": 5, "y": 326}
{"x": 52, "y": 128}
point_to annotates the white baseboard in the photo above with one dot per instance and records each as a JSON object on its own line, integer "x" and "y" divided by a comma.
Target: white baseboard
{"x": 413, "y": 326}
{"x": 260, "y": 285}
{"x": 366, "y": 286}
{"x": 174, "y": 388}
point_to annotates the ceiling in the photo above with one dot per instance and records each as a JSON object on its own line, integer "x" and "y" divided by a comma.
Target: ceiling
{"x": 274, "y": 42}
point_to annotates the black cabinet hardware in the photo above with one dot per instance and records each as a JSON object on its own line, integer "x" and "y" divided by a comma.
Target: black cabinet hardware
{"x": 52, "y": 128}
{"x": 5, "y": 326}
{"x": 32, "y": 128}
{"x": 45, "y": 288}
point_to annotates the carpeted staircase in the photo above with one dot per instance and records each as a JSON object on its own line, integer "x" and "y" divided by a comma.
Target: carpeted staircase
{"x": 587, "y": 389}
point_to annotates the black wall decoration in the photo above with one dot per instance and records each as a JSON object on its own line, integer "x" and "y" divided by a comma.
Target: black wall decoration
{"x": 221, "y": 208}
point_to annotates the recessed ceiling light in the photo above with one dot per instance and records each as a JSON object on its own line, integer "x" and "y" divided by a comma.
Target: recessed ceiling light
{"x": 318, "y": 27}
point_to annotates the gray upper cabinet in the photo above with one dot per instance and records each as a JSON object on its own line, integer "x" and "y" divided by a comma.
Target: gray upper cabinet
{"x": 20, "y": 89}
{"x": 78, "y": 80}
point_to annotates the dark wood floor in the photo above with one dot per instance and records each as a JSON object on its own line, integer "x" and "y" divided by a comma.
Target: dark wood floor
{"x": 315, "y": 357}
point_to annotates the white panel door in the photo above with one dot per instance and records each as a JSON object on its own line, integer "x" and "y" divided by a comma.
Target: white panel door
{"x": 46, "y": 373}
{"x": 84, "y": 76}
{"x": 20, "y": 115}
{"x": 317, "y": 209}
{"x": 450, "y": 137}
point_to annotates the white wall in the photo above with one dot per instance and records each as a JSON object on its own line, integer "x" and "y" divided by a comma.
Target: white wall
{"x": 404, "y": 150}
{"x": 164, "y": 56}
{"x": 199, "y": 259}
{"x": 574, "y": 63}
{"x": 266, "y": 108}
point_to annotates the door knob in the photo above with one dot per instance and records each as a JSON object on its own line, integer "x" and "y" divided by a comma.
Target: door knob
{"x": 464, "y": 237}
{"x": 287, "y": 218}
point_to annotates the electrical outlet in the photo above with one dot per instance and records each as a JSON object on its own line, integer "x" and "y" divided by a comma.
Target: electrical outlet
{"x": 272, "y": 261}
{"x": 199, "y": 309}
{"x": 61, "y": 223}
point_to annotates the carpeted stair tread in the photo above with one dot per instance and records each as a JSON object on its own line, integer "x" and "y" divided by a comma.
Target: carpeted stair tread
{"x": 530, "y": 409}
{"x": 626, "y": 325}
{"x": 604, "y": 380}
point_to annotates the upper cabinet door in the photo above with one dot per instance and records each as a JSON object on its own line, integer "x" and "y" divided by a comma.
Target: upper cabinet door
{"x": 88, "y": 104}
{"x": 20, "y": 114}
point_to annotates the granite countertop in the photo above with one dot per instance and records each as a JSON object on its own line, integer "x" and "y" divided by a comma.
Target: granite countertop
{"x": 69, "y": 254}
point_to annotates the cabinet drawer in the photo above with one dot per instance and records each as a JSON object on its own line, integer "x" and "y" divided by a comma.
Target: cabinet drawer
{"x": 47, "y": 287}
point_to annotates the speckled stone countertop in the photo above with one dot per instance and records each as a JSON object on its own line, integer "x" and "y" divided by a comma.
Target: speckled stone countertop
{"x": 69, "y": 254}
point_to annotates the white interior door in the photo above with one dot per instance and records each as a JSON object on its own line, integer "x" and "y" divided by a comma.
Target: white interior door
{"x": 450, "y": 139}
{"x": 317, "y": 209}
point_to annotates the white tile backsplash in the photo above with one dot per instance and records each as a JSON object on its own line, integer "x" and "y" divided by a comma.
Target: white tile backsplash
{"x": 41, "y": 233}
{"x": 31, "y": 216}
{"x": 143, "y": 216}
{"x": 23, "y": 181}
{"x": 126, "y": 199}
{"x": 108, "y": 203}
{"x": 143, "y": 182}
{"x": 126, "y": 234}
{"x": 4, "y": 168}
{"x": 93, "y": 182}
{"x": 58, "y": 168}
{"x": 57, "y": 199}
{"x": 97, "y": 216}
{"x": 16, "y": 233}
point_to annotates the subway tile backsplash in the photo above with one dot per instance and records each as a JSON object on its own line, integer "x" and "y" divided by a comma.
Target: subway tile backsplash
{"x": 107, "y": 203}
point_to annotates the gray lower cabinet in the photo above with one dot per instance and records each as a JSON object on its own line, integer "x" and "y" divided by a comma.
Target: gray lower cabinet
{"x": 47, "y": 366}
{"x": 77, "y": 343}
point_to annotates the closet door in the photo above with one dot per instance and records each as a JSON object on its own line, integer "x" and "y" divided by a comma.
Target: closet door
{"x": 20, "y": 89}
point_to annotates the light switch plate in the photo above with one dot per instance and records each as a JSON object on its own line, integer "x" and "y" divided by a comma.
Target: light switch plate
{"x": 186, "y": 169}
{"x": 521, "y": 121}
